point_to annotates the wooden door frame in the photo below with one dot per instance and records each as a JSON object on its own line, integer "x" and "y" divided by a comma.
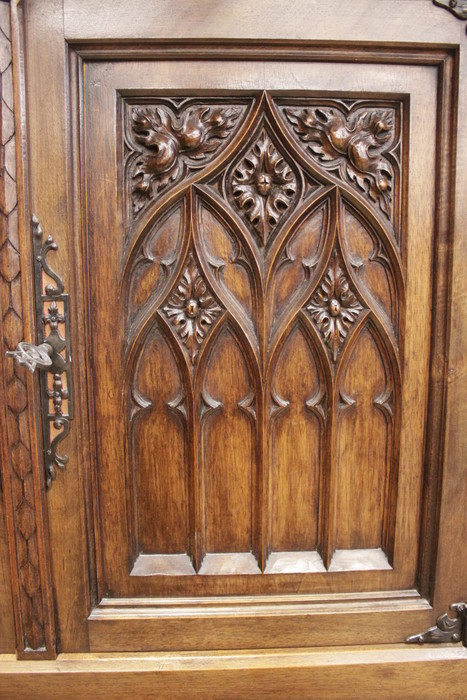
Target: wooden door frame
{"x": 27, "y": 521}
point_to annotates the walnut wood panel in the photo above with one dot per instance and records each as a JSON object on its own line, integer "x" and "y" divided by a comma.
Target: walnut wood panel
{"x": 239, "y": 259}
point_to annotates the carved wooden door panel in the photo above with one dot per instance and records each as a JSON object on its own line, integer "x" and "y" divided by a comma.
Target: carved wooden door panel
{"x": 256, "y": 238}
{"x": 258, "y": 340}
{"x": 254, "y": 349}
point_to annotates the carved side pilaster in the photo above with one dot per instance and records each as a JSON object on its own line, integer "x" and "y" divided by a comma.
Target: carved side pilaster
{"x": 23, "y": 492}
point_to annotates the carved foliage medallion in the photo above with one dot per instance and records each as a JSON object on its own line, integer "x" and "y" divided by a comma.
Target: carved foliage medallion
{"x": 173, "y": 144}
{"x": 355, "y": 145}
{"x": 334, "y": 307}
{"x": 191, "y": 309}
{"x": 263, "y": 186}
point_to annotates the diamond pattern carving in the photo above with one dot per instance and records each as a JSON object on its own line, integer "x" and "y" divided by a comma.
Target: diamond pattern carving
{"x": 26, "y": 520}
{"x": 29, "y": 578}
{"x": 9, "y": 262}
{"x": 263, "y": 186}
{"x": 191, "y": 309}
{"x": 12, "y": 328}
{"x": 17, "y": 397}
{"x": 21, "y": 459}
{"x": 334, "y": 307}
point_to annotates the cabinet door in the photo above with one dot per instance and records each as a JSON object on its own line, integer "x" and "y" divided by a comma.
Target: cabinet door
{"x": 257, "y": 240}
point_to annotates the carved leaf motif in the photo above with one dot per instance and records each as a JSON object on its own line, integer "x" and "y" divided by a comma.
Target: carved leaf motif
{"x": 263, "y": 186}
{"x": 191, "y": 309}
{"x": 172, "y": 145}
{"x": 353, "y": 144}
{"x": 334, "y": 307}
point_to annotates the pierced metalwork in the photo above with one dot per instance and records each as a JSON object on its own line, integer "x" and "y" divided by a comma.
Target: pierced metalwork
{"x": 51, "y": 354}
{"x": 447, "y": 629}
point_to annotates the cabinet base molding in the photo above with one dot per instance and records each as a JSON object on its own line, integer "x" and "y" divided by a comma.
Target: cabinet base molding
{"x": 345, "y": 673}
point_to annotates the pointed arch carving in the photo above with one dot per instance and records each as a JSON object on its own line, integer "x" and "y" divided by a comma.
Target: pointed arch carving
{"x": 368, "y": 420}
{"x": 158, "y": 404}
{"x": 255, "y": 259}
{"x": 228, "y": 413}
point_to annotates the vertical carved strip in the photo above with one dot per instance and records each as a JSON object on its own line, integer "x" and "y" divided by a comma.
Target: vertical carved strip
{"x": 23, "y": 490}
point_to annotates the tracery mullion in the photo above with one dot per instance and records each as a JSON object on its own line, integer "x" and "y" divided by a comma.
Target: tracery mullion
{"x": 336, "y": 281}
{"x": 274, "y": 334}
{"x": 250, "y": 261}
{"x": 187, "y": 409}
{"x": 395, "y": 266}
{"x": 224, "y": 210}
{"x": 185, "y": 325}
{"x": 254, "y": 347}
{"x": 141, "y": 324}
{"x": 297, "y": 217}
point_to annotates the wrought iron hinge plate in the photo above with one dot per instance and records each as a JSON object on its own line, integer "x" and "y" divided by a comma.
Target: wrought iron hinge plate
{"x": 447, "y": 629}
{"x": 456, "y": 7}
{"x": 53, "y": 327}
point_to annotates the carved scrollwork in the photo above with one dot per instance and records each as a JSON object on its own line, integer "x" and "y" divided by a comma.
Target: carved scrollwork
{"x": 264, "y": 186}
{"x": 174, "y": 144}
{"x": 354, "y": 145}
{"x": 191, "y": 308}
{"x": 334, "y": 307}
